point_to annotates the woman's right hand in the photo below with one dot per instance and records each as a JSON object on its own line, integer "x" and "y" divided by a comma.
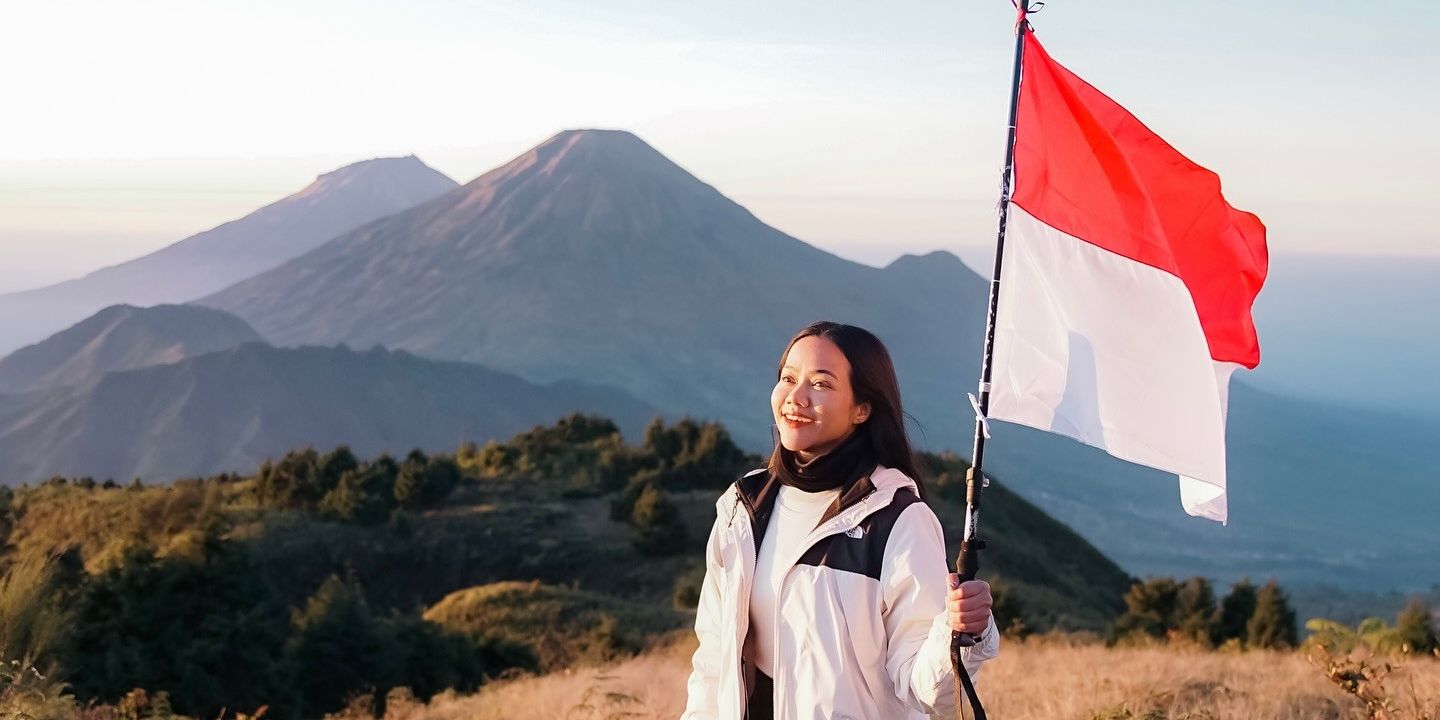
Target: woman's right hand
{"x": 969, "y": 606}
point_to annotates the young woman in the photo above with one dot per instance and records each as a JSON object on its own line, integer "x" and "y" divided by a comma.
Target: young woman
{"x": 825, "y": 592}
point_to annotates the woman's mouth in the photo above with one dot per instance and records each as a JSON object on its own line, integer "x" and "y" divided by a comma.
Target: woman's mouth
{"x": 795, "y": 421}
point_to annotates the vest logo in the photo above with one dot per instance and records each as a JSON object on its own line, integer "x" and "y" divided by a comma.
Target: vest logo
{"x": 855, "y": 533}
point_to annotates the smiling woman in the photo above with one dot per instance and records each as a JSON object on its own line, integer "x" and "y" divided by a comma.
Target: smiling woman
{"x": 826, "y": 595}
{"x": 813, "y": 404}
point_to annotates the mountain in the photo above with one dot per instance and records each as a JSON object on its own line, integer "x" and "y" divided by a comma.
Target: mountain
{"x": 1372, "y": 320}
{"x": 122, "y": 337}
{"x": 229, "y": 410}
{"x": 334, "y": 203}
{"x": 594, "y": 257}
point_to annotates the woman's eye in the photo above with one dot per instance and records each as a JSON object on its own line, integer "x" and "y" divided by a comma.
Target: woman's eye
{"x": 821, "y": 384}
{"x": 786, "y": 378}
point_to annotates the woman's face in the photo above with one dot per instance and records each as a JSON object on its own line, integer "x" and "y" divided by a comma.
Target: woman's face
{"x": 812, "y": 402}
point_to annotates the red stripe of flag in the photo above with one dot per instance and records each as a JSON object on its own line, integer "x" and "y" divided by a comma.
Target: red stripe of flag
{"x": 1087, "y": 167}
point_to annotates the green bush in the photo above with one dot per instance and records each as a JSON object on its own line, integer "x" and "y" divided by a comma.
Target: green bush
{"x": 1415, "y": 627}
{"x": 1413, "y": 633}
{"x": 657, "y": 524}
{"x": 424, "y": 482}
{"x": 206, "y": 631}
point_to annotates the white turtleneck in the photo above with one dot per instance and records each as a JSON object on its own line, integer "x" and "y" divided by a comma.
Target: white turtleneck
{"x": 796, "y": 513}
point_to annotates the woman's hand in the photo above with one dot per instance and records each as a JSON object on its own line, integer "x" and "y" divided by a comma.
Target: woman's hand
{"x": 969, "y": 605}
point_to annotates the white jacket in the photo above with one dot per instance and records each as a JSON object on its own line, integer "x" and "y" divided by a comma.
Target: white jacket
{"x": 861, "y": 626}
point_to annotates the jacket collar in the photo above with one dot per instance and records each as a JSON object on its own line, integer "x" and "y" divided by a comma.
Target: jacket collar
{"x": 757, "y": 492}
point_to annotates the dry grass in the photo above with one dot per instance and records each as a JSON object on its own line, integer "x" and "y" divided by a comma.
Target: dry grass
{"x": 1038, "y": 679}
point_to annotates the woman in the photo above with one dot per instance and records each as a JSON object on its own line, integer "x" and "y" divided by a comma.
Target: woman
{"x": 825, "y": 586}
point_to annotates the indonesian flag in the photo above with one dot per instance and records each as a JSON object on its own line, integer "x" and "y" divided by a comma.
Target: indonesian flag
{"x": 1126, "y": 288}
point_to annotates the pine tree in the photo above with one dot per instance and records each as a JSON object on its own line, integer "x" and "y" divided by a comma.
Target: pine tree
{"x": 1272, "y": 625}
{"x": 1235, "y": 612}
{"x": 334, "y": 464}
{"x": 337, "y": 647}
{"x": 1149, "y": 609}
{"x": 1195, "y": 612}
{"x": 658, "y": 527}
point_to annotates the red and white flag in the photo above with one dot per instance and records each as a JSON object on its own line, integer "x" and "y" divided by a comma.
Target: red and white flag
{"x": 1126, "y": 288}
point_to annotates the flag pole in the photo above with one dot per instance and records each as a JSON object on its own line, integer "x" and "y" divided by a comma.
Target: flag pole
{"x": 968, "y": 561}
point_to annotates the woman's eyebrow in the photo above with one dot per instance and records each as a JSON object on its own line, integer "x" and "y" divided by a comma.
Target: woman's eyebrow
{"x": 816, "y": 371}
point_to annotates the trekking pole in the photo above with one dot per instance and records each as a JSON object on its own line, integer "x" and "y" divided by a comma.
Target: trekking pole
{"x": 967, "y": 564}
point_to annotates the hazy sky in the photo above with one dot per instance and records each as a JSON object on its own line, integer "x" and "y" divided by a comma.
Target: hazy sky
{"x": 869, "y": 129}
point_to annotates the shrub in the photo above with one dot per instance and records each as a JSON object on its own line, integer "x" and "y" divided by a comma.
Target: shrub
{"x": 657, "y": 524}
{"x": 1415, "y": 628}
{"x": 425, "y": 482}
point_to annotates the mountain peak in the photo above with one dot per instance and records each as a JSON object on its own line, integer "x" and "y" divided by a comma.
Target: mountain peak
{"x": 599, "y": 151}
{"x": 406, "y": 162}
{"x": 400, "y": 171}
{"x": 935, "y": 258}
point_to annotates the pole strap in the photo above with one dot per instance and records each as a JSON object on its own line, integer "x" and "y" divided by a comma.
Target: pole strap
{"x": 964, "y": 685}
{"x": 979, "y": 415}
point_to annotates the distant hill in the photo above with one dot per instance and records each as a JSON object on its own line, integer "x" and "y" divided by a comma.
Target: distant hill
{"x": 203, "y": 263}
{"x": 121, "y": 337}
{"x": 229, "y": 410}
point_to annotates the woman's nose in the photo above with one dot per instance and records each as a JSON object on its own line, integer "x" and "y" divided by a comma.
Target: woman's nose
{"x": 799, "y": 396}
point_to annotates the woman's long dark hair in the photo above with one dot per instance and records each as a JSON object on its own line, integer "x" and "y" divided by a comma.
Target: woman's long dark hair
{"x": 872, "y": 380}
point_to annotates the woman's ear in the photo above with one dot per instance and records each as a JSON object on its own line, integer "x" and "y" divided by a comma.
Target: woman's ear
{"x": 862, "y": 413}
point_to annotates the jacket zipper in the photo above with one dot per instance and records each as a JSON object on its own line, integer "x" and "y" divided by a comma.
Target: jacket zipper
{"x": 837, "y": 525}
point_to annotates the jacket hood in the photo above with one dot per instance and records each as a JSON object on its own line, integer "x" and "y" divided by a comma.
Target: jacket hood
{"x": 884, "y": 478}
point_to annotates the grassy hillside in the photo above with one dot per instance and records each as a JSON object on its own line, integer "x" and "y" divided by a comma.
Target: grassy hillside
{"x": 435, "y": 571}
{"x": 559, "y": 626}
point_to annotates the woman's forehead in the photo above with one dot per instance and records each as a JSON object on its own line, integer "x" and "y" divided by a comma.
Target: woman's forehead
{"x": 813, "y": 352}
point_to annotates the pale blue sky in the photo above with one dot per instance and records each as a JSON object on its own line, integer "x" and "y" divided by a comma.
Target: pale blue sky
{"x": 868, "y": 129}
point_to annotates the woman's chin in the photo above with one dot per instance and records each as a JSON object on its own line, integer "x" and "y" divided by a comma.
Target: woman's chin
{"x": 795, "y": 444}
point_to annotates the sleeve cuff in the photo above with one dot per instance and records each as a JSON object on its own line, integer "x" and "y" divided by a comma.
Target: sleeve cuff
{"x": 987, "y": 647}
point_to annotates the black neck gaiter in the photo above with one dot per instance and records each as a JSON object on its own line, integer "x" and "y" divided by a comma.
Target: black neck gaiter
{"x": 847, "y": 462}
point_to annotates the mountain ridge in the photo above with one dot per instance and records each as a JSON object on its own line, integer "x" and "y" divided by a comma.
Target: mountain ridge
{"x": 121, "y": 337}
{"x": 333, "y": 203}
{"x": 228, "y": 410}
